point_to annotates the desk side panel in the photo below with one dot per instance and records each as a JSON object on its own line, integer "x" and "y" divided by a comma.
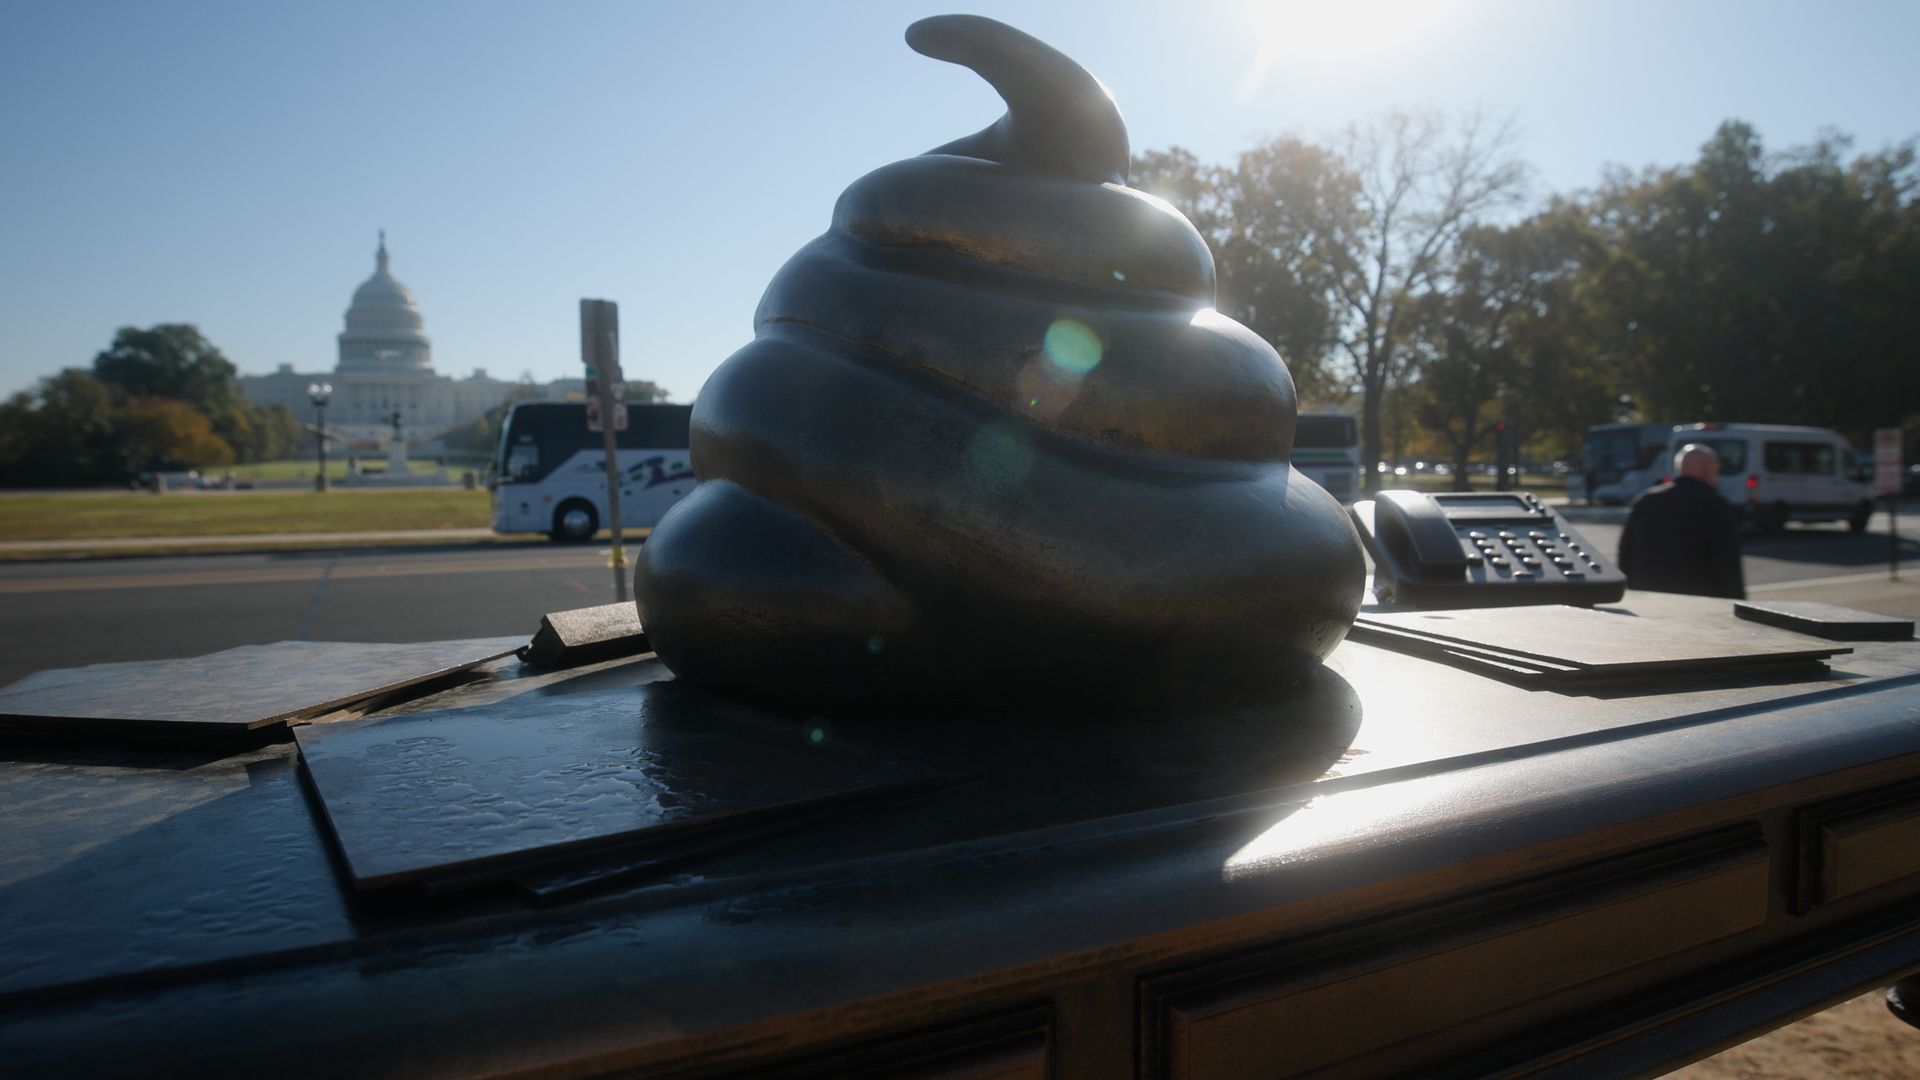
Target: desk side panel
{"x": 1301, "y": 1006}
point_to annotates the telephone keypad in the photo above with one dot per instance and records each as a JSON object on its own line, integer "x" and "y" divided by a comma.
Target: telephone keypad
{"x": 1524, "y": 554}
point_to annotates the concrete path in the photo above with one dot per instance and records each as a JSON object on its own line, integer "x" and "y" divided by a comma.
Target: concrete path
{"x": 313, "y": 540}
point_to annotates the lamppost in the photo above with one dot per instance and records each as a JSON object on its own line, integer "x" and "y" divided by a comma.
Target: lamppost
{"x": 318, "y": 393}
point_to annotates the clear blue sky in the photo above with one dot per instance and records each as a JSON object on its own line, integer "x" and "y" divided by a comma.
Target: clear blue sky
{"x": 227, "y": 164}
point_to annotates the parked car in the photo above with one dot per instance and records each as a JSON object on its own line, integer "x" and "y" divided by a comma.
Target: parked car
{"x": 170, "y": 479}
{"x": 1776, "y": 473}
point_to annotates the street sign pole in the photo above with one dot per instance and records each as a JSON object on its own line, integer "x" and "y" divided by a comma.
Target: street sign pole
{"x": 600, "y": 351}
{"x": 1887, "y": 462}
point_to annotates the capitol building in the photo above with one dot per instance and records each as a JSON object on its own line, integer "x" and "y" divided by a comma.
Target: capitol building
{"x": 386, "y": 367}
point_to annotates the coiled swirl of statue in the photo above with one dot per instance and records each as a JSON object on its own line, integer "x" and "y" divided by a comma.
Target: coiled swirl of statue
{"x": 991, "y": 444}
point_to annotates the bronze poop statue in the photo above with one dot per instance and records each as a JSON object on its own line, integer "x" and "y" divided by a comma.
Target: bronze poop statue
{"x": 991, "y": 445}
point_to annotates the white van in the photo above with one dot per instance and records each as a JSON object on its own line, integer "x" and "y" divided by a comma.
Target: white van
{"x": 1775, "y": 473}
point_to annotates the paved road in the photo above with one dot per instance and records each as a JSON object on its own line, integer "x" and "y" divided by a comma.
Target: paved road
{"x": 62, "y": 614}
{"x": 1796, "y": 553}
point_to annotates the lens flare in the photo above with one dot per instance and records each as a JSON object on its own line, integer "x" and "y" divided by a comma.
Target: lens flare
{"x": 998, "y": 458}
{"x": 1073, "y": 347}
{"x": 1052, "y": 376}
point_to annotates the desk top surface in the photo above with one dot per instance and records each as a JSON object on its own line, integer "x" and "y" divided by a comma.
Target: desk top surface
{"x": 128, "y": 867}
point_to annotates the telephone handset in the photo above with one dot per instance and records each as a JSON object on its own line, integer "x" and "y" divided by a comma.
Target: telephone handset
{"x": 1417, "y": 531}
{"x": 1472, "y": 549}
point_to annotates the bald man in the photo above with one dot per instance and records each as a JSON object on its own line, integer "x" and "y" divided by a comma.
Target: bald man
{"x": 1681, "y": 535}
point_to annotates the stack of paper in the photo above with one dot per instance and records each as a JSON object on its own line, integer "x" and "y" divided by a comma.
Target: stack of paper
{"x": 1569, "y": 646}
{"x": 556, "y": 792}
{"x": 235, "y": 693}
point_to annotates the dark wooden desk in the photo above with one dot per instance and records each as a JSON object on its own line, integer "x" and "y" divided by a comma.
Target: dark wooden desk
{"x": 1408, "y": 869}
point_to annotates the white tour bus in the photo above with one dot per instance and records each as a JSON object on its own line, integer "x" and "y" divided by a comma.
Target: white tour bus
{"x": 1326, "y": 448}
{"x": 1619, "y": 461}
{"x": 1776, "y": 474}
{"x": 550, "y": 473}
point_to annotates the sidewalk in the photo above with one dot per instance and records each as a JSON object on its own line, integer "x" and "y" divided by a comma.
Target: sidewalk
{"x": 231, "y": 542}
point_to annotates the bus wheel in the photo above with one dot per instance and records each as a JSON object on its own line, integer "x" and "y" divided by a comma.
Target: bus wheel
{"x": 1861, "y": 515}
{"x": 574, "y": 522}
{"x": 1774, "y": 518}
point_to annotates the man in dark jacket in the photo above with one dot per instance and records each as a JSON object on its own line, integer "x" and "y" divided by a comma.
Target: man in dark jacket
{"x": 1681, "y": 535}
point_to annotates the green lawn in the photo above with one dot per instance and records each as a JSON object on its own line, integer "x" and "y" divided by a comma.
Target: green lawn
{"x": 337, "y": 468}
{"x": 113, "y": 515}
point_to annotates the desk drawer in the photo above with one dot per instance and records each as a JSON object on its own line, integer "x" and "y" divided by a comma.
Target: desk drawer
{"x": 1306, "y": 1005}
{"x": 1008, "y": 1046}
{"x": 1852, "y": 845}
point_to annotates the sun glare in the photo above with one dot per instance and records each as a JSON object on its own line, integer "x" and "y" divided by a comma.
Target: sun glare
{"x": 1324, "y": 30}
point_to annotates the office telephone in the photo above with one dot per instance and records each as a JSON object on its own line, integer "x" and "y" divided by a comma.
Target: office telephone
{"x": 1479, "y": 549}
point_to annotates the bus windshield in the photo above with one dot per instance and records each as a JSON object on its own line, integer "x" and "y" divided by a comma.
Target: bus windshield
{"x": 1315, "y": 432}
{"x": 1613, "y": 449}
{"x": 1326, "y": 450}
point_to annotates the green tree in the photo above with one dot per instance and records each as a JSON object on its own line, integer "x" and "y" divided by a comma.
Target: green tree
{"x": 1423, "y": 182}
{"x": 175, "y": 361}
{"x": 1462, "y": 345}
{"x": 1267, "y": 220}
{"x": 1325, "y": 251}
{"x": 60, "y": 434}
{"x": 1568, "y": 377}
{"x": 1750, "y": 286}
{"x": 171, "y": 360}
{"x": 1501, "y": 343}
{"x": 166, "y": 433}
{"x": 277, "y": 434}
{"x": 18, "y": 420}
{"x": 259, "y": 433}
